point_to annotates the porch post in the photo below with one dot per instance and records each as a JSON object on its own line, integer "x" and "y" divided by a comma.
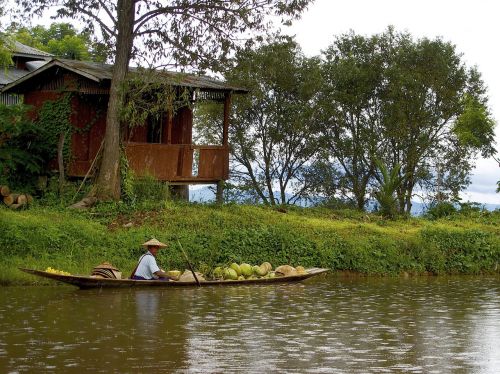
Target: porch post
{"x": 225, "y": 134}
{"x": 225, "y": 144}
{"x": 219, "y": 193}
{"x": 225, "y": 129}
{"x": 169, "y": 126}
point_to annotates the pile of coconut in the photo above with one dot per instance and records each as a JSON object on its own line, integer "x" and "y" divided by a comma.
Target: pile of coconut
{"x": 246, "y": 271}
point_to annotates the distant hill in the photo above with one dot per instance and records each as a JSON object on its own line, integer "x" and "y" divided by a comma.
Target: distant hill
{"x": 206, "y": 195}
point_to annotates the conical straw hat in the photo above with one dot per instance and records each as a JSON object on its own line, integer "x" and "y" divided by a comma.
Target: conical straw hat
{"x": 154, "y": 243}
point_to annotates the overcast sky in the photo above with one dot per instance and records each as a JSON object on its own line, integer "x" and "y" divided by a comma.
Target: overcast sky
{"x": 474, "y": 27}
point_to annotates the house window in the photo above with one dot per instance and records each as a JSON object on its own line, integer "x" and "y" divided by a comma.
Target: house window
{"x": 155, "y": 128}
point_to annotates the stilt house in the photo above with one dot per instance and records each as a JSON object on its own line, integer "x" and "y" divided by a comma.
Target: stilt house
{"x": 162, "y": 147}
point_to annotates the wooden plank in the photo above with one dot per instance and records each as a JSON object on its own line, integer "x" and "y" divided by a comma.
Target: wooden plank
{"x": 211, "y": 162}
{"x": 186, "y": 168}
{"x": 225, "y": 125}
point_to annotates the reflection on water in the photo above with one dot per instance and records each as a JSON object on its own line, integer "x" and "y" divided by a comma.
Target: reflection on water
{"x": 324, "y": 325}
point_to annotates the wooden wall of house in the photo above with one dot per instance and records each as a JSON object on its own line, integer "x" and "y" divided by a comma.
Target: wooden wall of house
{"x": 85, "y": 109}
{"x": 88, "y": 114}
{"x": 182, "y": 126}
{"x": 89, "y": 106}
{"x": 37, "y": 98}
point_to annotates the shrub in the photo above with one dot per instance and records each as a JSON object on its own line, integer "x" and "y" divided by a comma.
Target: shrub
{"x": 139, "y": 189}
{"x": 440, "y": 210}
{"x": 24, "y": 150}
{"x": 468, "y": 251}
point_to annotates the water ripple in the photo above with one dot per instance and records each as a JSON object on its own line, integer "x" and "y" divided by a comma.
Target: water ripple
{"x": 328, "y": 325}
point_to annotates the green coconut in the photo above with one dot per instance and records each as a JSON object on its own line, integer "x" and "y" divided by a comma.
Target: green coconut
{"x": 236, "y": 268}
{"x": 230, "y": 273}
{"x": 241, "y": 277}
{"x": 246, "y": 269}
{"x": 218, "y": 272}
{"x": 256, "y": 269}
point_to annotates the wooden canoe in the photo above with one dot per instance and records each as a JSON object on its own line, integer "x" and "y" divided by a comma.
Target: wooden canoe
{"x": 85, "y": 281}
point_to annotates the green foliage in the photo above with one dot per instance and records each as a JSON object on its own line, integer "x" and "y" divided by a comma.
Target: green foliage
{"x": 139, "y": 189}
{"x": 349, "y": 102}
{"x": 24, "y": 150}
{"x": 52, "y": 196}
{"x": 202, "y": 34}
{"x": 5, "y": 52}
{"x": 470, "y": 208}
{"x": 406, "y": 101}
{"x": 389, "y": 183}
{"x": 441, "y": 209}
{"x": 475, "y": 127}
{"x": 27, "y": 146}
{"x": 457, "y": 211}
{"x": 152, "y": 95}
{"x": 61, "y": 40}
{"x": 54, "y": 116}
{"x": 446, "y": 250}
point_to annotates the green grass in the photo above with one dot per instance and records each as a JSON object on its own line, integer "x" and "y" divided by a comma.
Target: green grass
{"x": 215, "y": 235}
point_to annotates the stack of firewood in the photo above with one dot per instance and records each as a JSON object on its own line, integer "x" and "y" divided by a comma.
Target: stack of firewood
{"x": 14, "y": 200}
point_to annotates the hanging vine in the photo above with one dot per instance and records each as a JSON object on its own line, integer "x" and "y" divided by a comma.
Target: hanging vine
{"x": 151, "y": 95}
{"x": 54, "y": 116}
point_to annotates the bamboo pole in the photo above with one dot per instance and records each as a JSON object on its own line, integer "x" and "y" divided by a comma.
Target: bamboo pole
{"x": 189, "y": 264}
{"x": 88, "y": 171}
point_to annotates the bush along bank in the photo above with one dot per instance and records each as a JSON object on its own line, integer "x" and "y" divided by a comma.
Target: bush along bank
{"x": 217, "y": 236}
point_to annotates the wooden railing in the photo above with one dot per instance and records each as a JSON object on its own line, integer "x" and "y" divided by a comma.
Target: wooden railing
{"x": 174, "y": 162}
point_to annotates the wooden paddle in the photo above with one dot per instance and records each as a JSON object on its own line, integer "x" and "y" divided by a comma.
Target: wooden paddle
{"x": 189, "y": 264}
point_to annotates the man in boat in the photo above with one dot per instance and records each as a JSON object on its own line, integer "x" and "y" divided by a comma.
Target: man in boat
{"x": 147, "y": 268}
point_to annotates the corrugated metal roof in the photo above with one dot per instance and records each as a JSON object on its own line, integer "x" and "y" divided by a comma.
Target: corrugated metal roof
{"x": 101, "y": 72}
{"x": 105, "y": 71}
{"x": 10, "y": 75}
{"x": 21, "y": 49}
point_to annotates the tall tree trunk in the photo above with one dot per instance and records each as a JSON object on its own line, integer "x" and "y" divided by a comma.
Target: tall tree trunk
{"x": 360, "y": 202}
{"x": 270, "y": 191}
{"x": 219, "y": 195}
{"x": 359, "y": 194}
{"x": 108, "y": 180}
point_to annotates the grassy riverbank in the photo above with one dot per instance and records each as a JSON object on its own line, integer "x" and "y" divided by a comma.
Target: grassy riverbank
{"x": 342, "y": 240}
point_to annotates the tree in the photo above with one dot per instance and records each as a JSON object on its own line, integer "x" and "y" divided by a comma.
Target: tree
{"x": 194, "y": 32}
{"x": 407, "y": 102}
{"x": 5, "y": 54}
{"x": 350, "y": 113}
{"x": 60, "y": 39}
{"x": 273, "y": 132}
{"x": 435, "y": 115}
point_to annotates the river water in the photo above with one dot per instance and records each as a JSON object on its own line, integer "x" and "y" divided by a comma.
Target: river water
{"x": 324, "y": 325}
